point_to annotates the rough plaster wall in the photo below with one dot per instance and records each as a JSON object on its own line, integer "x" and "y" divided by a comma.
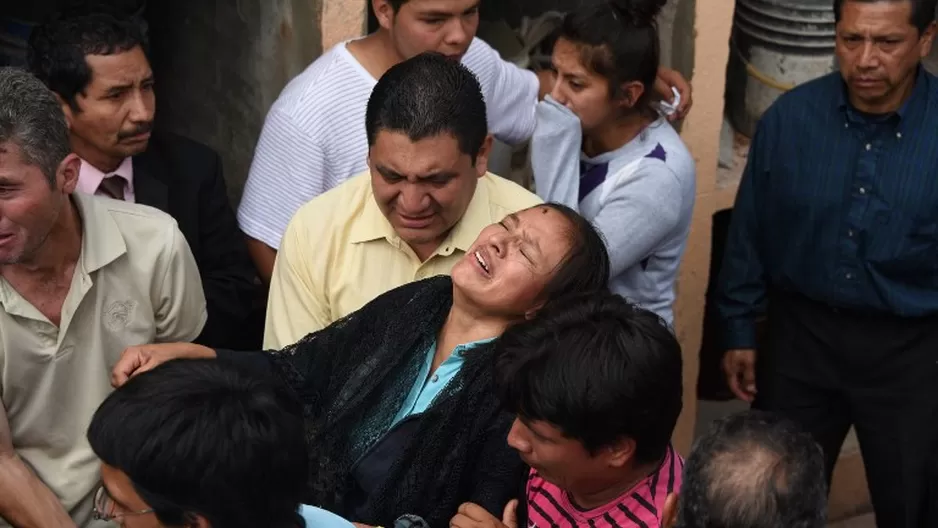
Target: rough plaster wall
{"x": 342, "y": 20}
{"x": 699, "y": 48}
{"x": 221, "y": 64}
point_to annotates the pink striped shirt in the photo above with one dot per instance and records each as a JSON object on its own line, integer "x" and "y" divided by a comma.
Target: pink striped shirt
{"x": 639, "y": 507}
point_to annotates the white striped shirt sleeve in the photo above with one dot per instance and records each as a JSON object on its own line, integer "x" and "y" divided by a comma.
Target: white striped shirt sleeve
{"x": 288, "y": 169}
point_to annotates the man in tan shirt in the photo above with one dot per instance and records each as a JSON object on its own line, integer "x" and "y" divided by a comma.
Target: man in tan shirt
{"x": 81, "y": 279}
{"x": 425, "y": 198}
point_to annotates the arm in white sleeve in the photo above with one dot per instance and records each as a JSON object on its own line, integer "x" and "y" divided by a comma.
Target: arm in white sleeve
{"x": 288, "y": 170}
{"x": 639, "y": 214}
{"x": 555, "y": 153}
{"x": 179, "y": 307}
{"x": 510, "y": 93}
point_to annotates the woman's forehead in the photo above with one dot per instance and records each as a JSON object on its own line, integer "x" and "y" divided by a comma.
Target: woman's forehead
{"x": 548, "y": 225}
{"x": 540, "y": 215}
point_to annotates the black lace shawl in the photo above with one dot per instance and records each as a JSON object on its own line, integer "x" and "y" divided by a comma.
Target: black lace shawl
{"x": 353, "y": 378}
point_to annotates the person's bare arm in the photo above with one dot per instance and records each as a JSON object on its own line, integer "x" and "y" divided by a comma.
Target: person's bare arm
{"x": 263, "y": 257}
{"x": 25, "y": 502}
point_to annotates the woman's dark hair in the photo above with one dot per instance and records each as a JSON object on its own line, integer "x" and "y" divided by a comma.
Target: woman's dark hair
{"x": 57, "y": 49}
{"x": 596, "y": 367}
{"x": 586, "y": 266}
{"x": 618, "y": 39}
{"x": 199, "y": 437}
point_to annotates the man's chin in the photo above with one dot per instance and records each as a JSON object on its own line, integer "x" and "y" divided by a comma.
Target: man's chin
{"x": 138, "y": 148}
{"x": 131, "y": 147}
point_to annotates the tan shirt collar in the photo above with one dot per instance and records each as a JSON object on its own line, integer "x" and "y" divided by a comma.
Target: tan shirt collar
{"x": 101, "y": 242}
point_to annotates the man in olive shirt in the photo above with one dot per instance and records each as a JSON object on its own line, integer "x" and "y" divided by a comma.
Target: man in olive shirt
{"x": 81, "y": 279}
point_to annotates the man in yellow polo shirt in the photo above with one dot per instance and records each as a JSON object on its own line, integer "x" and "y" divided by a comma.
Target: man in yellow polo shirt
{"x": 81, "y": 279}
{"x": 413, "y": 215}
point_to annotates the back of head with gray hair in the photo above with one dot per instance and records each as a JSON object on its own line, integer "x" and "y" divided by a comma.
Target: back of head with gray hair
{"x": 30, "y": 117}
{"x": 754, "y": 470}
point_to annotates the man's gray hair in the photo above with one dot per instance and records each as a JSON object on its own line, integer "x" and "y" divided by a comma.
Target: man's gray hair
{"x": 754, "y": 470}
{"x": 31, "y": 117}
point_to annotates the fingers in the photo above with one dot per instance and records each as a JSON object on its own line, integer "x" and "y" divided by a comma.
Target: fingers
{"x": 510, "y": 515}
{"x": 749, "y": 376}
{"x": 475, "y": 512}
{"x": 474, "y": 516}
{"x": 736, "y": 389}
{"x": 740, "y": 369}
{"x": 683, "y": 108}
{"x": 461, "y": 521}
{"x": 687, "y": 100}
{"x": 130, "y": 361}
{"x": 664, "y": 89}
{"x": 145, "y": 367}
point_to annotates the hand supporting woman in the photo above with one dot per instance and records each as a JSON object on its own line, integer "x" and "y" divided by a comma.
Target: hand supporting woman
{"x": 141, "y": 358}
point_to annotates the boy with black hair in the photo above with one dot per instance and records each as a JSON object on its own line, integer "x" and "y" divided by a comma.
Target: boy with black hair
{"x": 200, "y": 444}
{"x": 596, "y": 385}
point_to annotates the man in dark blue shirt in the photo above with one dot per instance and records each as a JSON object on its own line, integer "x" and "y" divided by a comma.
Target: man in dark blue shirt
{"x": 834, "y": 239}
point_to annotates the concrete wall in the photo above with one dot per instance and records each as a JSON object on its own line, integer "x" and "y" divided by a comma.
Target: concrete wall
{"x": 343, "y": 20}
{"x": 700, "y": 51}
{"x": 221, "y": 64}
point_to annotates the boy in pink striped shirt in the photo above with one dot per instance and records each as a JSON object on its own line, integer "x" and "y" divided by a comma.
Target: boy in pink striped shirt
{"x": 596, "y": 386}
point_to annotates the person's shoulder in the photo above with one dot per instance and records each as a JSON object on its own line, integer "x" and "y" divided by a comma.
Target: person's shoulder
{"x": 332, "y": 78}
{"x": 479, "y": 52}
{"x": 506, "y": 196}
{"x": 667, "y": 148}
{"x": 141, "y": 226}
{"x": 804, "y": 98}
{"x": 335, "y": 207}
{"x": 131, "y": 217}
{"x": 182, "y": 157}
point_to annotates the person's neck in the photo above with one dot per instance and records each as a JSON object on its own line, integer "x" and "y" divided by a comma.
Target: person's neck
{"x": 425, "y": 251}
{"x": 616, "y": 133}
{"x": 464, "y": 324}
{"x": 376, "y": 53}
{"x": 96, "y": 158}
{"x": 890, "y": 104}
{"x": 60, "y": 250}
{"x": 589, "y": 500}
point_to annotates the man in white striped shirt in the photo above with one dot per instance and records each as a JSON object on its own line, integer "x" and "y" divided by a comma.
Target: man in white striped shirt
{"x": 314, "y": 135}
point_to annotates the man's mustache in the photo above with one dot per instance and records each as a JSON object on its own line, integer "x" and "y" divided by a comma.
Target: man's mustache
{"x": 140, "y": 129}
